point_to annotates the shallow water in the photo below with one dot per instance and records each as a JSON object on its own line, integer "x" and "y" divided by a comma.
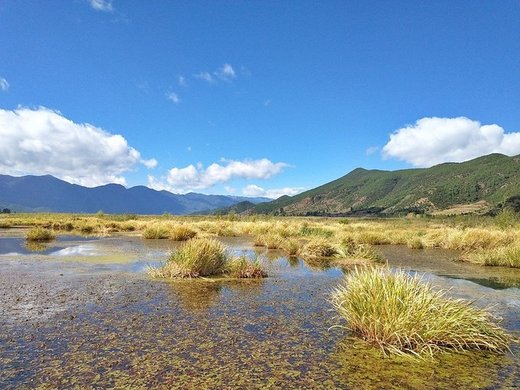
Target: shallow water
{"x": 84, "y": 313}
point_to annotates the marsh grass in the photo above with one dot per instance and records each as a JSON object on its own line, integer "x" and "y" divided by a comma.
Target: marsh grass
{"x": 39, "y": 234}
{"x": 182, "y": 233}
{"x": 156, "y": 232}
{"x": 241, "y": 267}
{"x": 292, "y": 247}
{"x": 401, "y": 314}
{"x": 202, "y": 257}
{"x": 502, "y": 256}
{"x": 319, "y": 248}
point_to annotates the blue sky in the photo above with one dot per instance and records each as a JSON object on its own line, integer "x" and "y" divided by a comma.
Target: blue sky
{"x": 274, "y": 96}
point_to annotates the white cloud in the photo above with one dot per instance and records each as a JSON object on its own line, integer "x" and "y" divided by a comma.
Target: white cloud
{"x": 150, "y": 164}
{"x": 182, "y": 81}
{"x": 267, "y": 102}
{"x": 274, "y": 193}
{"x": 189, "y": 178}
{"x": 226, "y": 73}
{"x": 4, "y": 85}
{"x": 206, "y": 77}
{"x": 434, "y": 140}
{"x": 102, "y": 5}
{"x": 42, "y": 141}
{"x": 173, "y": 97}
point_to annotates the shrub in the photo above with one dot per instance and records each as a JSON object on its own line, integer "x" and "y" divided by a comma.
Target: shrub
{"x": 401, "y": 314}
{"x": 39, "y": 234}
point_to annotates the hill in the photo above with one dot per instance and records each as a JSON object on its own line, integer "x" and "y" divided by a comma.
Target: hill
{"x": 47, "y": 193}
{"x": 480, "y": 184}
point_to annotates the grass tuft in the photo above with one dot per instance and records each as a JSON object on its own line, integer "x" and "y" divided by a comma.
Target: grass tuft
{"x": 319, "y": 248}
{"x": 156, "y": 232}
{"x": 182, "y": 233}
{"x": 241, "y": 267}
{"x": 401, "y": 314}
{"x": 39, "y": 234}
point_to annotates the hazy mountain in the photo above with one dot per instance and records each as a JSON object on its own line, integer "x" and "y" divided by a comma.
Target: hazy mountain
{"x": 47, "y": 193}
{"x": 475, "y": 185}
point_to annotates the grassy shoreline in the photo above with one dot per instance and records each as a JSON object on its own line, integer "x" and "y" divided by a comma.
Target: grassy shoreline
{"x": 480, "y": 240}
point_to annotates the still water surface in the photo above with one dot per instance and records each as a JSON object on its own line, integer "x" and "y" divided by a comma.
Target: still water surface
{"x": 82, "y": 312}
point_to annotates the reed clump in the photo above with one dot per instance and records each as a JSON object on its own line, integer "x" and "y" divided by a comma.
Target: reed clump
{"x": 319, "y": 248}
{"x": 401, "y": 314}
{"x": 39, "y": 234}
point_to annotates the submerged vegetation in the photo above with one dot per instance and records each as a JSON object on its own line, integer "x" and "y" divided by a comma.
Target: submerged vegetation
{"x": 402, "y": 314}
{"x": 202, "y": 257}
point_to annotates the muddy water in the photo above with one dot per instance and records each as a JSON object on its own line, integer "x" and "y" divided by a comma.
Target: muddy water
{"x": 83, "y": 313}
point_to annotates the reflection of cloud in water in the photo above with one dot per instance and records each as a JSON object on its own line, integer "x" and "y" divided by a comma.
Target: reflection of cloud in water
{"x": 79, "y": 250}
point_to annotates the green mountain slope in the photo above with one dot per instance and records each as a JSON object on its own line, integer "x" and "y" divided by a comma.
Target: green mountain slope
{"x": 490, "y": 180}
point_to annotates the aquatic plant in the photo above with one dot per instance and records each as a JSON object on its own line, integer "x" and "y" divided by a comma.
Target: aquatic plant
{"x": 319, "y": 248}
{"x": 196, "y": 257}
{"x": 156, "y": 232}
{"x": 292, "y": 247}
{"x": 39, "y": 234}
{"x": 182, "y": 233}
{"x": 402, "y": 314}
{"x": 241, "y": 267}
{"x": 502, "y": 256}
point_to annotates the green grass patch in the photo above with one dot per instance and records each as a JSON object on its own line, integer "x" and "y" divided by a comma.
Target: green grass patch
{"x": 156, "y": 232}
{"x": 401, "y": 314}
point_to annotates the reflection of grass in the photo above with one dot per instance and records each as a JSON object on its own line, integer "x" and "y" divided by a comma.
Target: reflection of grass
{"x": 202, "y": 257}
{"x": 401, "y": 314}
{"x": 39, "y": 234}
{"x": 35, "y": 246}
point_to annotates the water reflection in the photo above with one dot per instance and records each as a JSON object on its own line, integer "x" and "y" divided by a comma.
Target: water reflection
{"x": 364, "y": 367}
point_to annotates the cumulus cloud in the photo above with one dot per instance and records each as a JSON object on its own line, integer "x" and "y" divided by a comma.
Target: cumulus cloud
{"x": 191, "y": 177}
{"x": 150, "y": 164}
{"x": 172, "y": 96}
{"x": 4, "y": 85}
{"x": 434, "y": 140}
{"x": 274, "y": 193}
{"x": 42, "y": 141}
{"x": 102, "y": 5}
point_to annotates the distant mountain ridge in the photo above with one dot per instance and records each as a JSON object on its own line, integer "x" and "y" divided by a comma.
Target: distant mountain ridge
{"x": 47, "y": 193}
{"x": 481, "y": 183}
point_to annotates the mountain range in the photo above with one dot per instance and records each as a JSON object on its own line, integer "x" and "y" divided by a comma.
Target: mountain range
{"x": 47, "y": 193}
{"x": 478, "y": 185}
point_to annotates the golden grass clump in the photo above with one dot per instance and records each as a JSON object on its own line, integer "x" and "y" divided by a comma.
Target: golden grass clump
{"x": 502, "y": 256}
{"x": 415, "y": 243}
{"x": 194, "y": 258}
{"x": 401, "y": 314}
{"x": 39, "y": 234}
{"x": 241, "y": 267}
{"x": 156, "y": 232}
{"x": 319, "y": 248}
{"x": 182, "y": 233}
{"x": 292, "y": 247}
{"x": 200, "y": 257}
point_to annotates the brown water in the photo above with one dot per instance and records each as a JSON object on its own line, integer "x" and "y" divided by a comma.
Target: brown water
{"x": 82, "y": 312}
